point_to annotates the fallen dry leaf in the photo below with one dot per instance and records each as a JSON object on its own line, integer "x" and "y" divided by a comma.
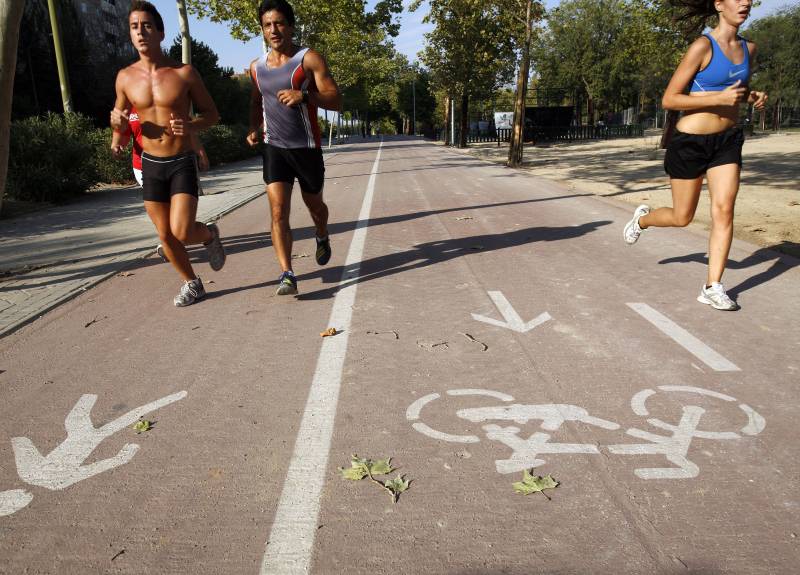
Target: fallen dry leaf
{"x": 125, "y": 274}
{"x": 328, "y": 332}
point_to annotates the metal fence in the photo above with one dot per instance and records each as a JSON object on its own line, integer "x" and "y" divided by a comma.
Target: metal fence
{"x": 551, "y": 133}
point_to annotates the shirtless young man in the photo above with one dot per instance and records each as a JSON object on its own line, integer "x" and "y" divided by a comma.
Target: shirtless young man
{"x": 289, "y": 83}
{"x": 162, "y": 91}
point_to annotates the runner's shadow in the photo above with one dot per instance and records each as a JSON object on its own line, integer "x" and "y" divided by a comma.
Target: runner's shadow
{"x": 782, "y": 264}
{"x": 430, "y": 253}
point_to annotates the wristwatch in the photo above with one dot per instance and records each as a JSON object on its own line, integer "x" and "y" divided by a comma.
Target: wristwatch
{"x": 305, "y": 96}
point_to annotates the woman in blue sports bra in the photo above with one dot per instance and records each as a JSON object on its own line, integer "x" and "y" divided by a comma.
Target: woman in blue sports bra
{"x": 709, "y": 85}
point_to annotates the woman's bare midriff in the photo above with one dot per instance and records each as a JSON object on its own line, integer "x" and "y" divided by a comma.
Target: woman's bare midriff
{"x": 711, "y": 120}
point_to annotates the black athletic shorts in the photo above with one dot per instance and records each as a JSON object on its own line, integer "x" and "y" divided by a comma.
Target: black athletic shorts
{"x": 162, "y": 178}
{"x": 689, "y": 156}
{"x": 286, "y": 164}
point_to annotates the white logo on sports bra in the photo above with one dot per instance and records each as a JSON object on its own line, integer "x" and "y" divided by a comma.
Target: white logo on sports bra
{"x": 732, "y": 74}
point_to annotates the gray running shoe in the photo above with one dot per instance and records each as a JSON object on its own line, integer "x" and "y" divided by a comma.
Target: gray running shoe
{"x": 716, "y": 297}
{"x": 216, "y": 252}
{"x": 161, "y": 253}
{"x": 287, "y": 284}
{"x": 191, "y": 292}
{"x": 632, "y": 230}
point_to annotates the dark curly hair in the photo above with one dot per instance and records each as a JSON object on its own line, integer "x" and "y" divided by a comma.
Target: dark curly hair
{"x": 281, "y": 6}
{"x": 692, "y": 15}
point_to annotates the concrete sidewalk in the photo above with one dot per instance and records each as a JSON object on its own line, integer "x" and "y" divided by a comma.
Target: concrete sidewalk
{"x": 49, "y": 256}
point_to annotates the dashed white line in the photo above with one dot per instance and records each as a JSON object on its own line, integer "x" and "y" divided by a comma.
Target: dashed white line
{"x": 292, "y": 537}
{"x": 683, "y": 338}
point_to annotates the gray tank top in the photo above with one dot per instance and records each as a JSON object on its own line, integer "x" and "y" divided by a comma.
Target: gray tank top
{"x": 287, "y": 126}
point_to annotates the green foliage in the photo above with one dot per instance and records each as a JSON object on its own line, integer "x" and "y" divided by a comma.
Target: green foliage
{"x": 51, "y": 158}
{"x": 110, "y": 169}
{"x": 534, "y": 484}
{"x": 396, "y": 486}
{"x": 778, "y": 60}
{"x": 611, "y": 50}
{"x": 231, "y": 95}
{"x": 224, "y": 143}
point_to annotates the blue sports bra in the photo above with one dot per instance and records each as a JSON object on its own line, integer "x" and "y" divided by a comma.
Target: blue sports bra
{"x": 721, "y": 72}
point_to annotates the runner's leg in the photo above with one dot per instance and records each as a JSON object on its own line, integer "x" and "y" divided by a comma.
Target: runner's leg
{"x": 280, "y": 201}
{"x": 685, "y": 195}
{"x": 159, "y": 213}
{"x": 723, "y": 186}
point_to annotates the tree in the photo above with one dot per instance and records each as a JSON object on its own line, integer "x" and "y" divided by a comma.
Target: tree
{"x": 231, "y": 97}
{"x": 469, "y": 51}
{"x": 520, "y": 15}
{"x": 10, "y": 18}
{"x": 777, "y": 61}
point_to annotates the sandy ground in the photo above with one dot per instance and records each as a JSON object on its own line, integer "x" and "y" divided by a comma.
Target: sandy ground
{"x": 767, "y": 208}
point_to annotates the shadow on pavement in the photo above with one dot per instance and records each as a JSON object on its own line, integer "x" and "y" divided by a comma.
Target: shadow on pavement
{"x": 430, "y": 253}
{"x": 781, "y": 265}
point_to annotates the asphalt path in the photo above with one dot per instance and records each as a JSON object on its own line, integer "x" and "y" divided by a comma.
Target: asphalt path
{"x": 489, "y": 322}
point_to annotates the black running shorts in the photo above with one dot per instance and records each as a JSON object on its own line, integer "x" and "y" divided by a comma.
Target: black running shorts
{"x": 689, "y": 156}
{"x": 162, "y": 178}
{"x": 286, "y": 164}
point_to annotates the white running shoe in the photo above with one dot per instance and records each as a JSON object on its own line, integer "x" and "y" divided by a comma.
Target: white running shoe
{"x": 161, "y": 254}
{"x": 716, "y": 297}
{"x": 632, "y": 230}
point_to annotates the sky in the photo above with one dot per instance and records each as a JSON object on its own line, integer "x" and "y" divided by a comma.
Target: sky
{"x": 237, "y": 55}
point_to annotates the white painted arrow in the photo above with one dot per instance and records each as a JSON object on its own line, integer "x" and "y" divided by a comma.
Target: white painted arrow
{"x": 513, "y": 321}
{"x": 64, "y": 465}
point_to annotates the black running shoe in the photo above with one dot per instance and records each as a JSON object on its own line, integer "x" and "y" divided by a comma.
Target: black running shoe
{"x": 287, "y": 284}
{"x": 323, "y": 250}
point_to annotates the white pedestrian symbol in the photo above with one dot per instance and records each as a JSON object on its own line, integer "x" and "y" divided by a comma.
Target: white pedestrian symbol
{"x": 64, "y": 465}
{"x": 526, "y": 452}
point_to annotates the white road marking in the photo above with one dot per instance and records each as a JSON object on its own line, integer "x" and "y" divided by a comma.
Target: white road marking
{"x": 64, "y": 466}
{"x": 683, "y": 338}
{"x": 291, "y": 539}
{"x": 512, "y": 318}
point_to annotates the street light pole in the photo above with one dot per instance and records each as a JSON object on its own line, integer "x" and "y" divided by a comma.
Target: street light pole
{"x": 61, "y": 63}
{"x": 414, "y": 106}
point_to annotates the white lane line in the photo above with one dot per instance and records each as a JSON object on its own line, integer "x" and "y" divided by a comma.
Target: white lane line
{"x": 683, "y": 338}
{"x": 292, "y": 537}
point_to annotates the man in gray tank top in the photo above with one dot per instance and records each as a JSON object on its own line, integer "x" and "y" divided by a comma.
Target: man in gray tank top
{"x": 289, "y": 83}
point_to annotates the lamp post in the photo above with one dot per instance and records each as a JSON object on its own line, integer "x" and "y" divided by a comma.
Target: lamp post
{"x": 414, "y": 106}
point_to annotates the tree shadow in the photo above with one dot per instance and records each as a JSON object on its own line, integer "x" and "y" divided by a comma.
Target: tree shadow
{"x": 431, "y": 253}
{"x": 778, "y": 252}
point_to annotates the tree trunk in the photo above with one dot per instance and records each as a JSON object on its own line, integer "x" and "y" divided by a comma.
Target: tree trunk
{"x": 462, "y": 140}
{"x": 186, "y": 39}
{"x": 518, "y": 131}
{"x": 61, "y": 60}
{"x": 10, "y": 18}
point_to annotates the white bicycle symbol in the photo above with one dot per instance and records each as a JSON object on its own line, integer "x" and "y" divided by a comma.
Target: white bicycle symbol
{"x": 525, "y": 452}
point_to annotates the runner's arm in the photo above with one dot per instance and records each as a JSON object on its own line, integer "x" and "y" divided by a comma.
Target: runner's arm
{"x": 256, "y": 108}
{"x": 206, "y": 114}
{"x": 327, "y": 95}
{"x": 120, "y": 128}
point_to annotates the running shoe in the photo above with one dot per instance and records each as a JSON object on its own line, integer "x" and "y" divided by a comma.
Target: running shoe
{"x": 191, "y": 292}
{"x": 216, "y": 252}
{"x": 716, "y": 297}
{"x": 323, "y": 250}
{"x": 287, "y": 284}
{"x": 161, "y": 253}
{"x": 632, "y": 230}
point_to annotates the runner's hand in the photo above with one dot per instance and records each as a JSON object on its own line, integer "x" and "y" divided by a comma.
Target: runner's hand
{"x": 758, "y": 99}
{"x": 290, "y": 97}
{"x": 732, "y": 95}
{"x": 117, "y": 151}
{"x": 177, "y": 126}
{"x": 119, "y": 119}
{"x": 252, "y": 138}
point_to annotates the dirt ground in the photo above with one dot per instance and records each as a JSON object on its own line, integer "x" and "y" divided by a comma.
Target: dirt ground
{"x": 767, "y": 208}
